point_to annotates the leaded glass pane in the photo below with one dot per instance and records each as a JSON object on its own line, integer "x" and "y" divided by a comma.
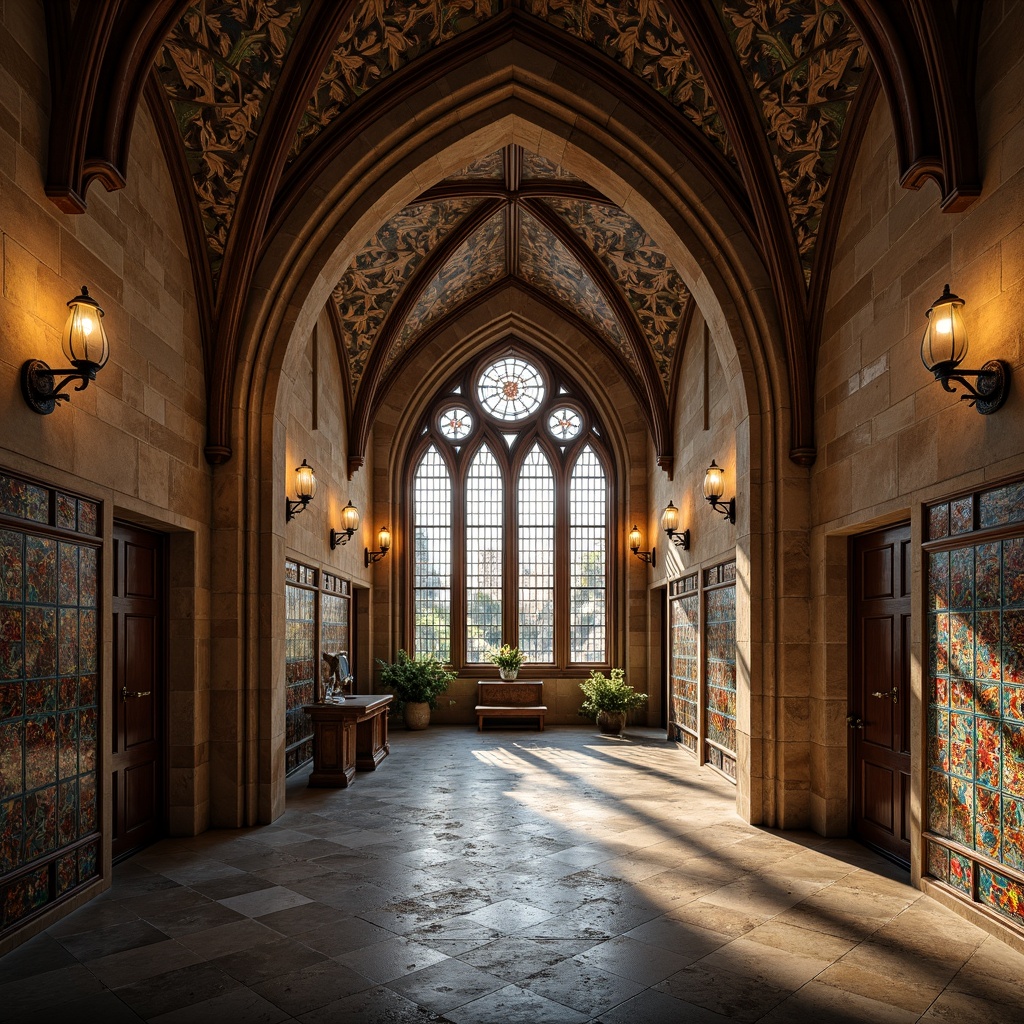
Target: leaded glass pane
{"x": 484, "y": 551}
{"x": 432, "y": 557}
{"x": 510, "y": 388}
{"x": 455, "y": 422}
{"x": 588, "y": 573}
{"x": 537, "y": 557}
{"x": 565, "y": 423}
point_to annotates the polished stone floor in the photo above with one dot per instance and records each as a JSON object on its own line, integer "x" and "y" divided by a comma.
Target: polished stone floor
{"x": 513, "y": 877}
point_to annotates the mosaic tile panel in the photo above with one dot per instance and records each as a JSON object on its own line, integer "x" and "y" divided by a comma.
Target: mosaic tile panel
{"x": 48, "y": 707}
{"x": 683, "y": 667}
{"x": 300, "y": 673}
{"x": 1002, "y": 506}
{"x": 335, "y": 615}
{"x": 938, "y": 522}
{"x": 720, "y": 675}
{"x": 975, "y": 721}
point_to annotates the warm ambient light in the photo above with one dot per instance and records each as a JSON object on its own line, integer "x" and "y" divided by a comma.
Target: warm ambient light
{"x": 670, "y": 524}
{"x": 714, "y": 488}
{"x": 305, "y": 488}
{"x": 944, "y": 348}
{"x": 383, "y": 546}
{"x": 634, "y": 546}
{"x": 85, "y": 345}
{"x": 349, "y": 525}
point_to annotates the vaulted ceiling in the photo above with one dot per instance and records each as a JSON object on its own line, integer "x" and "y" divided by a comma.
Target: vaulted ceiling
{"x": 253, "y": 95}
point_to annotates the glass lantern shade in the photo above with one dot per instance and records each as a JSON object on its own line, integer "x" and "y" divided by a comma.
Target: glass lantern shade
{"x": 670, "y": 518}
{"x": 634, "y": 539}
{"x": 944, "y": 345}
{"x": 384, "y": 539}
{"x": 305, "y": 482}
{"x": 714, "y": 482}
{"x": 84, "y": 340}
{"x": 350, "y": 518}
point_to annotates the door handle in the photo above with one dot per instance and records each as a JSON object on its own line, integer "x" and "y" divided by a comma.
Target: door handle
{"x": 854, "y": 722}
{"x": 126, "y": 693}
{"x": 894, "y": 693}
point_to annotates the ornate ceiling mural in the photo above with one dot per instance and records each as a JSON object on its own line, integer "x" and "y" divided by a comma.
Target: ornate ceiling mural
{"x": 804, "y": 63}
{"x": 551, "y": 268}
{"x": 219, "y": 68}
{"x": 638, "y": 266}
{"x": 381, "y": 38}
{"x": 477, "y": 263}
{"x": 648, "y": 41}
{"x": 384, "y": 265}
{"x": 491, "y": 167}
{"x": 538, "y": 168}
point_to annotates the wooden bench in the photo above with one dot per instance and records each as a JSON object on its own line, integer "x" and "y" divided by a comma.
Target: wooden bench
{"x": 507, "y": 699}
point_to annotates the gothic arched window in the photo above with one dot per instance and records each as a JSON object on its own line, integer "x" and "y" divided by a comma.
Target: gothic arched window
{"x": 511, "y": 521}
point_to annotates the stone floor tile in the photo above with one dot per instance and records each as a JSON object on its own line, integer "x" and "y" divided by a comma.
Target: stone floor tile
{"x": 309, "y": 988}
{"x": 653, "y": 1007}
{"x": 384, "y": 961}
{"x": 112, "y": 938}
{"x": 240, "y": 1005}
{"x": 268, "y": 960}
{"x": 264, "y": 901}
{"x": 824, "y": 1004}
{"x": 732, "y": 995}
{"x": 582, "y": 987}
{"x": 637, "y": 961}
{"x": 445, "y": 985}
{"x": 778, "y": 967}
{"x": 514, "y": 957}
{"x": 508, "y": 916}
{"x": 34, "y": 993}
{"x": 39, "y": 955}
{"x": 143, "y": 962}
{"x": 101, "y": 1006}
{"x": 379, "y": 1005}
{"x": 514, "y": 1005}
{"x": 175, "y": 989}
{"x": 961, "y": 1008}
{"x": 343, "y": 935}
{"x": 227, "y": 938}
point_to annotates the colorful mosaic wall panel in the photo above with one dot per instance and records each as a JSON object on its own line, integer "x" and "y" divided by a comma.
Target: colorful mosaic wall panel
{"x": 49, "y": 736}
{"x": 300, "y": 673}
{"x": 975, "y": 684}
{"x": 684, "y": 662}
{"x": 720, "y": 672}
{"x": 334, "y": 623}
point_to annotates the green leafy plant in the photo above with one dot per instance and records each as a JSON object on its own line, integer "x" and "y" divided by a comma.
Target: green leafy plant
{"x": 506, "y": 657}
{"x": 608, "y": 694}
{"x": 416, "y": 680}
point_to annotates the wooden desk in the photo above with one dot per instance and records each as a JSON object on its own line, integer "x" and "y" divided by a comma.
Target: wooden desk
{"x": 348, "y": 736}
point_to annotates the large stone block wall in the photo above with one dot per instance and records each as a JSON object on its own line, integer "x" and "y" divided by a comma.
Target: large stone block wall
{"x": 133, "y": 439}
{"x": 888, "y": 436}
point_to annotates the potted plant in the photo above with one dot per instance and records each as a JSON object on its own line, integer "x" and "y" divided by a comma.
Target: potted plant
{"x": 416, "y": 682}
{"x": 608, "y": 699}
{"x": 509, "y": 660}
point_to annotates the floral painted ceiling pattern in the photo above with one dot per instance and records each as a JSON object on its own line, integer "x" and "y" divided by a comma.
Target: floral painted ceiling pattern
{"x": 646, "y": 40}
{"x": 537, "y": 167}
{"x": 383, "y": 266}
{"x": 639, "y": 267}
{"x": 804, "y": 62}
{"x": 491, "y": 166}
{"x": 219, "y": 68}
{"x": 381, "y": 38}
{"x": 478, "y": 262}
{"x": 550, "y": 267}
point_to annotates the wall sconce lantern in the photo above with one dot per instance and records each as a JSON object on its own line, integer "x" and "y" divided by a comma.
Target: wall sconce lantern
{"x": 944, "y": 348}
{"x": 85, "y": 345}
{"x": 670, "y": 524}
{"x": 349, "y": 524}
{"x": 714, "y": 488}
{"x": 644, "y": 556}
{"x": 383, "y": 546}
{"x": 305, "y": 488}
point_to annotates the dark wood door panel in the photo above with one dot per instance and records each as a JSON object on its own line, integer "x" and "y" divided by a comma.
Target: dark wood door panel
{"x": 138, "y": 756}
{"x": 880, "y": 690}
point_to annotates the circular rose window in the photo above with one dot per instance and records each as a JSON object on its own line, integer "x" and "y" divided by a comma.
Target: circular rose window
{"x": 455, "y": 423}
{"x": 565, "y": 423}
{"x": 510, "y": 388}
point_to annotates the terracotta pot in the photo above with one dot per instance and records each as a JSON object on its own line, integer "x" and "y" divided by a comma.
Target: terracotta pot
{"x": 508, "y": 673}
{"x": 417, "y": 715}
{"x": 611, "y": 723}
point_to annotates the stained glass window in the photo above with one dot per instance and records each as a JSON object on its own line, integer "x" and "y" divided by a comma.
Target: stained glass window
{"x": 975, "y": 688}
{"x": 510, "y": 518}
{"x": 565, "y": 423}
{"x": 432, "y": 556}
{"x": 300, "y": 671}
{"x": 588, "y": 573}
{"x": 536, "y": 509}
{"x": 510, "y": 388}
{"x": 684, "y": 657}
{"x": 485, "y": 548}
{"x": 455, "y": 423}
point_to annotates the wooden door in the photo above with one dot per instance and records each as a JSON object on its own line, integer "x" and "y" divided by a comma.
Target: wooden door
{"x": 879, "y": 707}
{"x": 138, "y": 698}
